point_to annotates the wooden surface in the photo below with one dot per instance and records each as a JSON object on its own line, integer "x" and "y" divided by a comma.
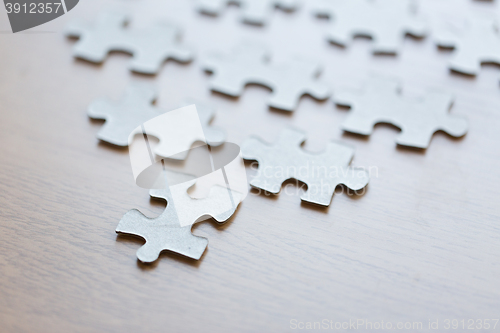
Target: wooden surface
{"x": 421, "y": 244}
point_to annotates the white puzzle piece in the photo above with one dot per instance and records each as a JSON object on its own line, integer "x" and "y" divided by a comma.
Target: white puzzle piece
{"x": 387, "y": 22}
{"x": 477, "y": 42}
{"x": 150, "y": 47}
{"x": 381, "y": 102}
{"x": 168, "y": 231}
{"x": 254, "y": 11}
{"x": 123, "y": 117}
{"x": 285, "y": 159}
{"x": 250, "y": 64}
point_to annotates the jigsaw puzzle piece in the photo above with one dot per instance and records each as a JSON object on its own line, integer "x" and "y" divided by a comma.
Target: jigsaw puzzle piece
{"x": 293, "y": 80}
{"x": 220, "y": 204}
{"x": 287, "y": 160}
{"x": 252, "y": 149}
{"x": 329, "y": 170}
{"x": 258, "y": 11}
{"x": 172, "y": 229}
{"x": 343, "y": 14}
{"x": 123, "y": 117}
{"x": 161, "y": 233}
{"x": 370, "y": 107}
{"x": 254, "y": 11}
{"x": 96, "y": 41}
{"x": 476, "y": 43}
{"x": 272, "y": 173}
{"x": 397, "y": 19}
{"x": 428, "y": 117}
{"x": 248, "y": 64}
{"x": 230, "y": 72}
{"x": 381, "y": 102}
{"x": 153, "y": 46}
{"x": 149, "y": 48}
{"x": 386, "y": 21}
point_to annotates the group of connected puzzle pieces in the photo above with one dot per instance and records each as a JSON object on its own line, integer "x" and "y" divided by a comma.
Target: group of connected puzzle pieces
{"x": 380, "y": 100}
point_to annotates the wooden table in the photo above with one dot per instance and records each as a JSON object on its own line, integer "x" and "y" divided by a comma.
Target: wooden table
{"x": 422, "y": 244}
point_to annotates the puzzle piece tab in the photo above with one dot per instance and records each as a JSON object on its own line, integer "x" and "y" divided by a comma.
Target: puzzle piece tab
{"x": 381, "y": 102}
{"x": 254, "y": 11}
{"x": 287, "y": 160}
{"x": 136, "y": 108}
{"x": 249, "y": 64}
{"x": 387, "y": 22}
{"x": 166, "y": 231}
{"x": 476, "y": 43}
{"x": 150, "y": 47}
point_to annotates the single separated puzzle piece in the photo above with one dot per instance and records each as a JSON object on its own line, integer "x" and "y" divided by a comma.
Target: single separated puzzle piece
{"x": 254, "y": 11}
{"x": 475, "y": 43}
{"x": 149, "y": 47}
{"x": 381, "y": 102}
{"x": 165, "y": 231}
{"x": 250, "y": 63}
{"x": 135, "y": 108}
{"x": 387, "y": 22}
{"x": 287, "y": 160}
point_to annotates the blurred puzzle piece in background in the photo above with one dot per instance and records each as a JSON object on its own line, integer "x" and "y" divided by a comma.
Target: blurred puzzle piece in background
{"x": 254, "y": 11}
{"x": 387, "y": 22}
{"x": 150, "y": 47}
{"x": 250, "y": 63}
{"x": 474, "y": 43}
{"x": 381, "y": 102}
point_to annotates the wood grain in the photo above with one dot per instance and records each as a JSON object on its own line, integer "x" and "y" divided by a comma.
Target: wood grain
{"x": 420, "y": 244}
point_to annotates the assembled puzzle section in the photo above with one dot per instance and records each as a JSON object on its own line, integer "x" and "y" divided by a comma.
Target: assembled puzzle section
{"x": 167, "y": 232}
{"x": 250, "y": 63}
{"x": 150, "y": 47}
{"x": 285, "y": 159}
{"x": 381, "y": 102}
{"x": 136, "y": 108}
{"x": 255, "y": 12}
{"x": 387, "y": 22}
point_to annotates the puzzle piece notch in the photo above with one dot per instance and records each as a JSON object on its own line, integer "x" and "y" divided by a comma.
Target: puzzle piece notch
{"x": 136, "y": 108}
{"x": 166, "y": 232}
{"x": 475, "y": 43}
{"x": 387, "y": 22}
{"x": 149, "y": 47}
{"x": 253, "y": 11}
{"x": 382, "y": 102}
{"x": 285, "y": 159}
{"x": 248, "y": 64}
